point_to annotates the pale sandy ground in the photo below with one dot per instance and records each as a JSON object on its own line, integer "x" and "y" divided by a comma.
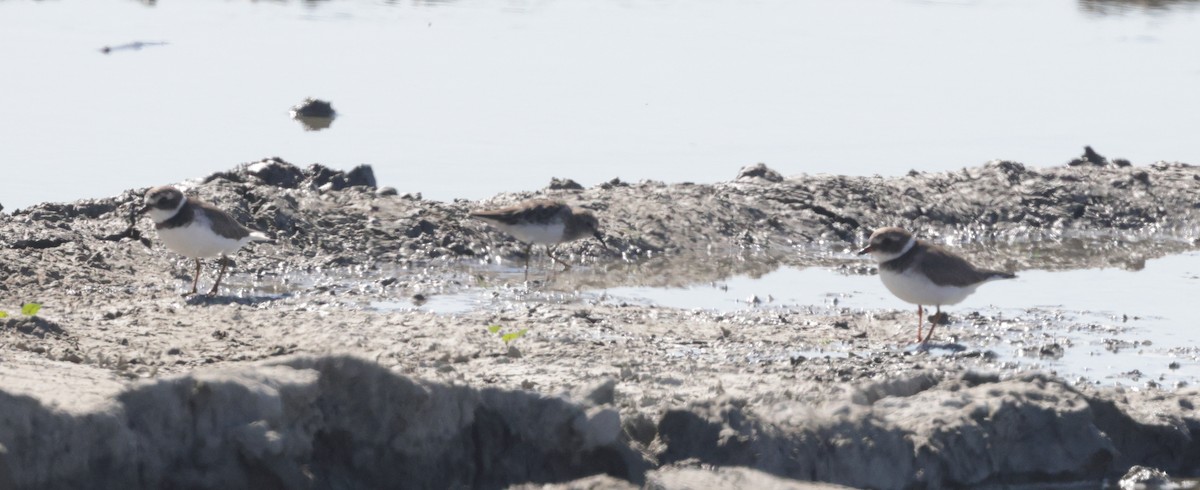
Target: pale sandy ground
{"x": 291, "y": 379}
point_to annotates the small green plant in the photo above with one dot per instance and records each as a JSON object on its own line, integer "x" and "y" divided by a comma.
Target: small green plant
{"x": 507, "y": 338}
{"x": 31, "y": 309}
{"x": 27, "y": 309}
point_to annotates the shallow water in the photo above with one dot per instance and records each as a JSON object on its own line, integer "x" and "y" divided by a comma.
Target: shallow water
{"x": 470, "y": 98}
{"x": 1118, "y": 320}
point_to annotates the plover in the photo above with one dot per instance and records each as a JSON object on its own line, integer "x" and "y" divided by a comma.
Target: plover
{"x": 922, "y": 273}
{"x": 196, "y": 229}
{"x": 543, "y": 222}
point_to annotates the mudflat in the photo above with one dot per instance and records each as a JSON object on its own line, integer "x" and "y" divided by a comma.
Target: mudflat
{"x": 316, "y": 367}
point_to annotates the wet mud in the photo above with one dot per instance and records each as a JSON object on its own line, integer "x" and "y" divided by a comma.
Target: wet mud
{"x": 295, "y": 377}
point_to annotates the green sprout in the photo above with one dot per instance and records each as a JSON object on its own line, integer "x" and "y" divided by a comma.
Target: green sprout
{"x": 31, "y": 309}
{"x": 27, "y": 309}
{"x": 507, "y": 338}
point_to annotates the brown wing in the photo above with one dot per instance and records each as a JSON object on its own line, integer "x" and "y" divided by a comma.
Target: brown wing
{"x": 535, "y": 211}
{"x": 222, "y": 222}
{"x": 945, "y": 268}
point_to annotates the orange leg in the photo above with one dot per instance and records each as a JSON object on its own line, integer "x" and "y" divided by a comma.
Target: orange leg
{"x": 195, "y": 280}
{"x": 920, "y": 321}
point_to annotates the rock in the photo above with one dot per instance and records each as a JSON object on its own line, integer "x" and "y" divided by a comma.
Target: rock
{"x": 310, "y": 422}
{"x": 276, "y": 172}
{"x": 1089, "y": 157}
{"x": 1141, "y": 477}
{"x": 564, "y": 184}
{"x": 311, "y": 107}
{"x": 327, "y": 179}
{"x": 361, "y": 175}
{"x": 615, "y": 182}
{"x": 758, "y": 172}
{"x": 726, "y": 478}
{"x": 594, "y": 482}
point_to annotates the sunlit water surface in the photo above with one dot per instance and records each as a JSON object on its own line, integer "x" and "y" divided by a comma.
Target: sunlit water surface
{"x": 470, "y": 98}
{"x": 1116, "y": 326}
{"x": 1150, "y": 310}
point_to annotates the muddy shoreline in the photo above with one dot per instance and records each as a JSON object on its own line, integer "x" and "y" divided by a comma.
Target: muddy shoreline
{"x": 295, "y": 377}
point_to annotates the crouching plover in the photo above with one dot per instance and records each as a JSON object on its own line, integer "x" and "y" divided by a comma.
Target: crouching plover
{"x": 196, "y": 229}
{"x": 920, "y": 272}
{"x": 543, "y": 222}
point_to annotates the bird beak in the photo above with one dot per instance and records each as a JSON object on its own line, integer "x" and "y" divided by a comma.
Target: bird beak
{"x": 143, "y": 209}
{"x": 866, "y": 250}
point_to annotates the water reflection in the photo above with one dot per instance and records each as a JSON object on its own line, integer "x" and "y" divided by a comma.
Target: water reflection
{"x": 1107, "y": 7}
{"x": 683, "y": 270}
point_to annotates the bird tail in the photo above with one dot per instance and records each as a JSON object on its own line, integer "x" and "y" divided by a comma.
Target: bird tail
{"x": 993, "y": 275}
{"x": 258, "y": 236}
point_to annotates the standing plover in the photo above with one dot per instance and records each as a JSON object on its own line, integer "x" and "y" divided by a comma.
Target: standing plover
{"x": 922, "y": 273}
{"x": 196, "y": 229}
{"x": 543, "y": 222}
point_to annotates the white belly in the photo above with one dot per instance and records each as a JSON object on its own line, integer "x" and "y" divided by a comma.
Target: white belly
{"x": 542, "y": 234}
{"x": 198, "y": 241}
{"x": 918, "y": 289}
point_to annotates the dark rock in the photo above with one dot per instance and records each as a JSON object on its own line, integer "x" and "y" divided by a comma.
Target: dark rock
{"x": 386, "y": 191}
{"x": 319, "y": 175}
{"x": 564, "y": 184}
{"x": 32, "y": 325}
{"x": 757, "y": 173}
{"x": 1121, "y": 162}
{"x": 423, "y": 227}
{"x": 615, "y": 182}
{"x": 39, "y": 243}
{"x": 1141, "y": 176}
{"x": 327, "y": 179}
{"x": 55, "y": 211}
{"x": 361, "y": 175}
{"x": 1089, "y": 157}
{"x": 276, "y": 172}
{"x": 311, "y": 107}
{"x": 229, "y": 176}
